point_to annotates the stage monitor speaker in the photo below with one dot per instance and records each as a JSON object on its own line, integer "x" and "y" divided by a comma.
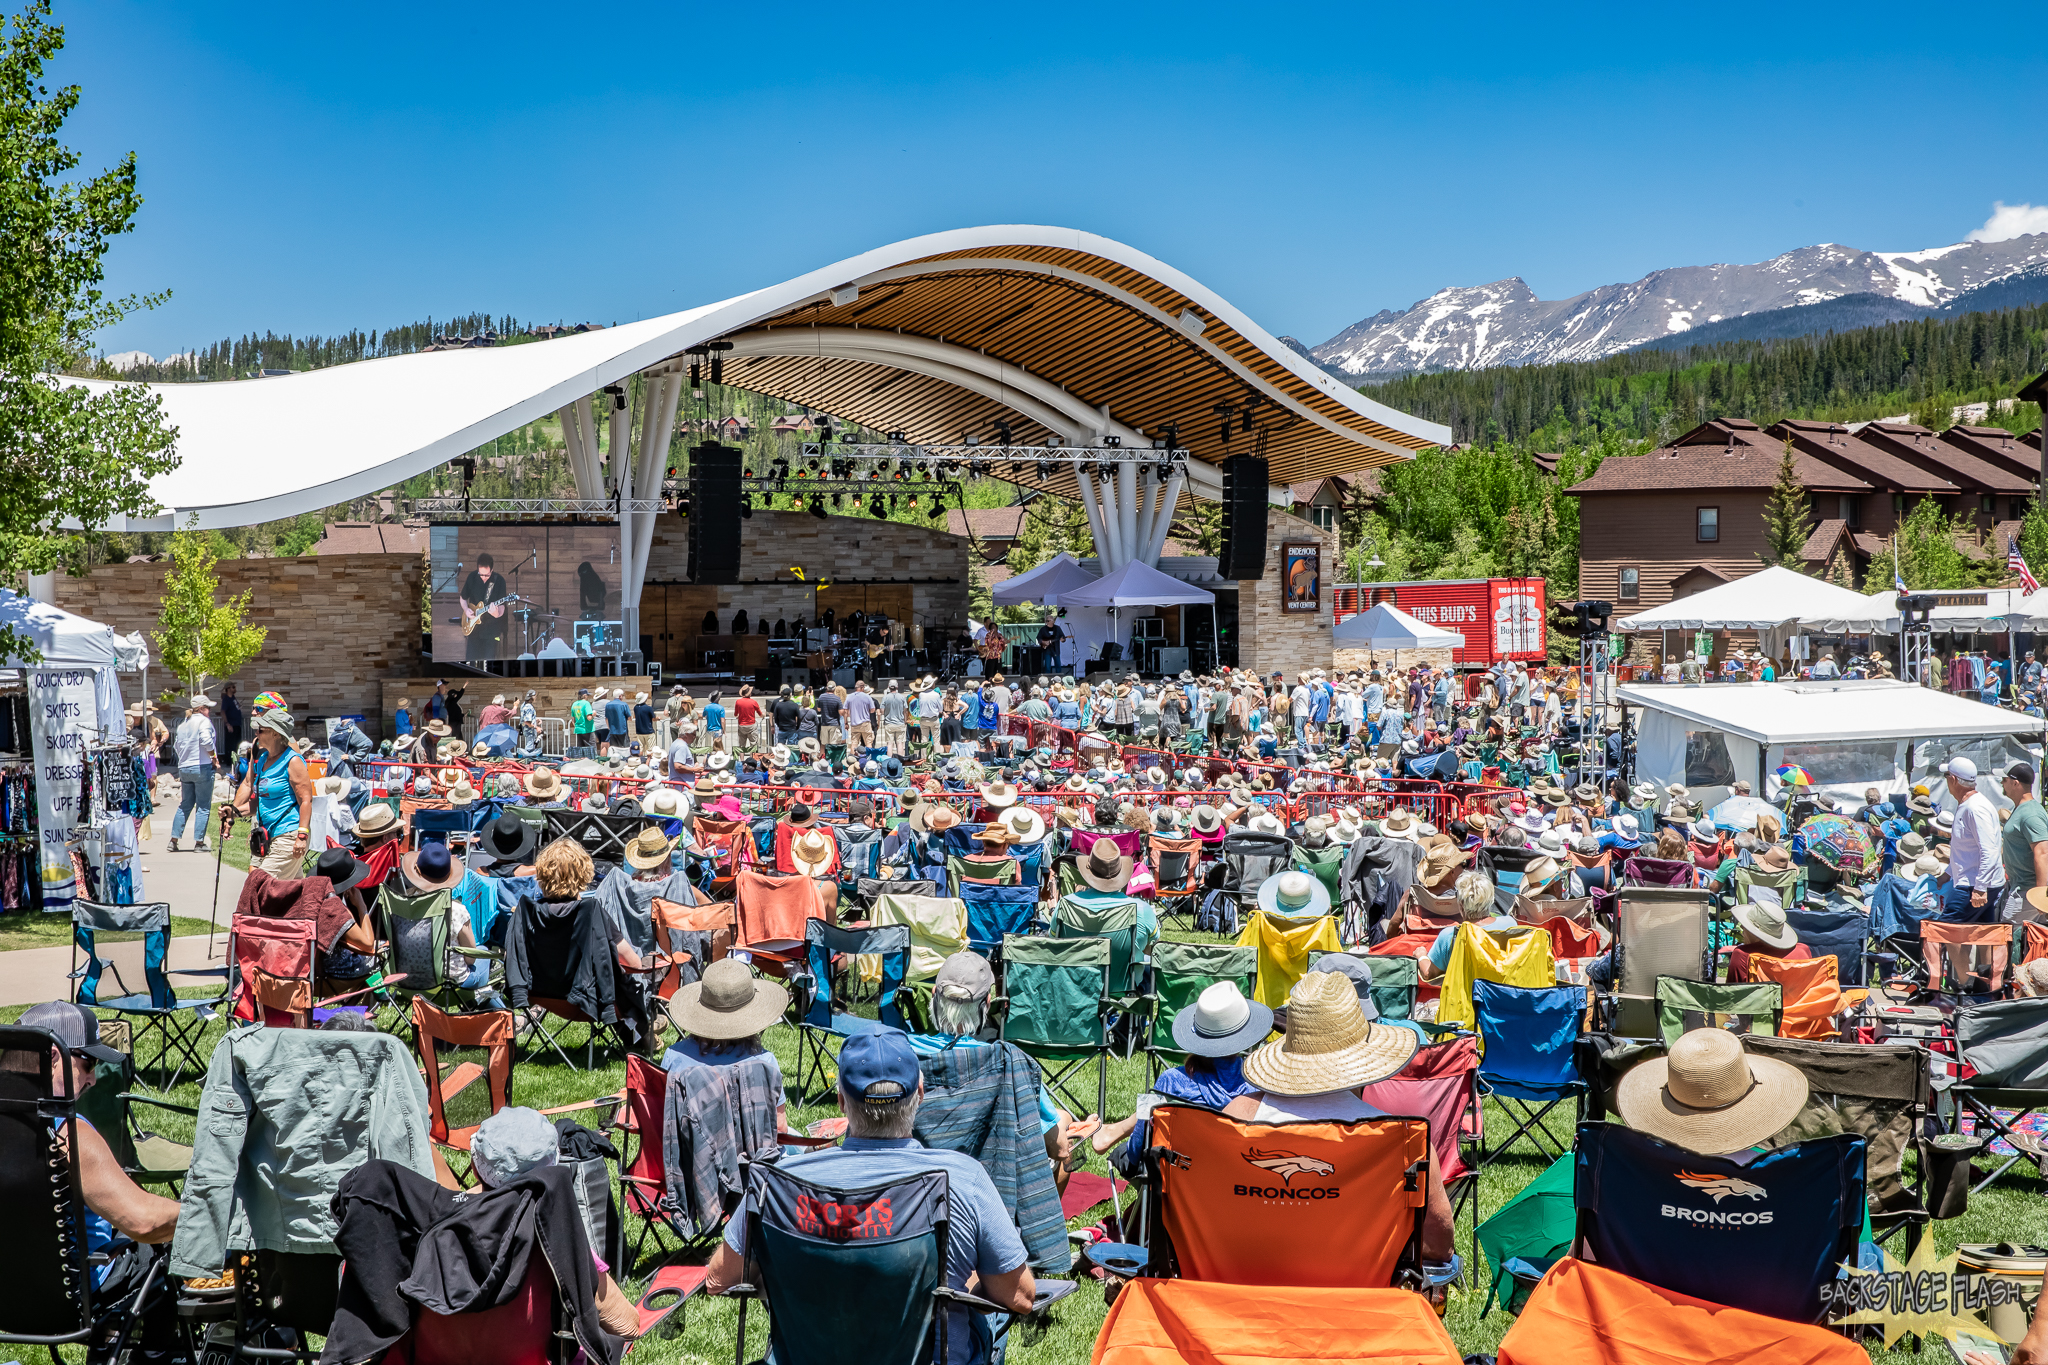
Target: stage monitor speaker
{"x": 1244, "y": 518}
{"x": 714, "y": 531}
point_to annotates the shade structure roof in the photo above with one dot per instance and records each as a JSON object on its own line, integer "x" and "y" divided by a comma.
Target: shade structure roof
{"x": 1386, "y": 626}
{"x": 1137, "y": 584}
{"x": 1062, "y": 573}
{"x": 1758, "y": 601}
{"x": 62, "y": 637}
{"x": 1841, "y": 709}
{"x": 2003, "y": 609}
{"x": 1061, "y": 334}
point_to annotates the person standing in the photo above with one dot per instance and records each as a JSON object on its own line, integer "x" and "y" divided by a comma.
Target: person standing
{"x": 198, "y": 760}
{"x": 746, "y": 713}
{"x": 231, "y": 720}
{"x": 785, "y": 714}
{"x": 643, "y": 719}
{"x": 453, "y": 701}
{"x": 895, "y": 730}
{"x": 2024, "y": 846}
{"x": 831, "y": 724}
{"x": 281, "y": 795}
{"x": 1976, "y": 868}
{"x": 859, "y": 714}
{"x": 714, "y": 723}
{"x": 582, "y": 722}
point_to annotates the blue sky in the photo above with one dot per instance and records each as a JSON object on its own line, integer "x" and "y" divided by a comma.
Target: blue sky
{"x": 313, "y": 168}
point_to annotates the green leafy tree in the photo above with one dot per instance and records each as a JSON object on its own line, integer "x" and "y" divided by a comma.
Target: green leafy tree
{"x": 979, "y": 601}
{"x": 1927, "y": 554}
{"x": 72, "y": 456}
{"x": 198, "y": 637}
{"x": 1786, "y": 514}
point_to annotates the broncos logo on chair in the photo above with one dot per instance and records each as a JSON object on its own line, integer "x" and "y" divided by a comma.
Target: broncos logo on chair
{"x": 1287, "y": 1165}
{"x": 1719, "y": 1187}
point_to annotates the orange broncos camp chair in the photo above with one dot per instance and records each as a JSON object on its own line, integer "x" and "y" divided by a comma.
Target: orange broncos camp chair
{"x": 1328, "y": 1205}
{"x": 1813, "y": 997}
{"x": 1583, "y": 1315}
{"x": 1181, "y": 1322}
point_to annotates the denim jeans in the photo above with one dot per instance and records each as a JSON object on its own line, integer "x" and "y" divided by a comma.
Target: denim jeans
{"x": 1956, "y": 907}
{"x": 195, "y": 788}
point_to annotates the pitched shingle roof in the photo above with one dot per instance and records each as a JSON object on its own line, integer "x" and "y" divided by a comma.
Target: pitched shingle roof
{"x": 1729, "y": 453}
{"x": 1962, "y": 468}
{"x": 1834, "y": 444}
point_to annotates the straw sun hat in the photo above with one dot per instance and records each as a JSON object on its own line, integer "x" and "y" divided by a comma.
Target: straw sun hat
{"x": 729, "y": 1002}
{"x": 1330, "y": 1044}
{"x": 1709, "y": 1095}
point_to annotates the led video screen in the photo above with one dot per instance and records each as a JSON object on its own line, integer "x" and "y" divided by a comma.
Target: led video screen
{"x": 524, "y": 591}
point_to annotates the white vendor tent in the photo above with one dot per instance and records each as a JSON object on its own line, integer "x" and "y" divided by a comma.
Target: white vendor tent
{"x": 2004, "y": 609}
{"x": 1137, "y": 584}
{"x": 1386, "y": 626}
{"x": 1849, "y": 735}
{"x": 70, "y": 642}
{"x": 1060, "y": 574}
{"x": 1758, "y": 601}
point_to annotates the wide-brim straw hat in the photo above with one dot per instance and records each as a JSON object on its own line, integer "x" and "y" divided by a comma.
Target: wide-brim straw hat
{"x": 1766, "y": 924}
{"x": 439, "y": 729}
{"x": 811, "y": 851}
{"x": 1399, "y": 824}
{"x": 999, "y": 795}
{"x": 728, "y": 1002}
{"x": 1709, "y": 1095}
{"x": 1024, "y": 825}
{"x": 1106, "y": 868}
{"x": 377, "y": 821}
{"x": 544, "y": 783}
{"x": 649, "y": 849}
{"x": 1329, "y": 1044}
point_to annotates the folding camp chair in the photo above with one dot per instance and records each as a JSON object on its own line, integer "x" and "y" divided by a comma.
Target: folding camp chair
{"x": 1248, "y": 859}
{"x": 1668, "y": 873}
{"x": 1441, "y": 1083}
{"x": 1164, "y": 1321}
{"x": 995, "y": 912}
{"x": 1177, "y": 867}
{"x": 2004, "y": 1043}
{"x": 1119, "y": 922}
{"x": 1749, "y": 882}
{"x": 1529, "y": 1234}
{"x": 822, "y": 999}
{"x": 1056, "y": 1001}
{"x": 771, "y": 910}
{"x": 1682, "y": 1006}
{"x": 1840, "y": 934}
{"x": 108, "y": 1105}
{"x": 1526, "y": 1036}
{"x": 455, "y": 827}
{"x": 44, "y": 1260}
{"x": 1396, "y": 977}
{"x": 421, "y": 935}
{"x": 1876, "y": 1090}
{"x": 604, "y": 835}
{"x": 176, "y": 1024}
{"x": 1180, "y": 972}
{"x": 546, "y": 947}
{"x": 1513, "y": 957}
{"x": 1658, "y": 933}
{"x": 939, "y": 926}
{"x": 1283, "y": 944}
{"x": 457, "y": 1053}
{"x": 1965, "y": 959}
{"x": 826, "y": 1258}
{"x": 1326, "y": 865}
{"x": 1813, "y": 999}
{"x": 729, "y": 845}
{"x": 1583, "y": 1312}
{"x": 691, "y": 937}
{"x": 1252, "y": 1203}
{"x": 1763, "y": 1234}
{"x": 1430, "y": 912}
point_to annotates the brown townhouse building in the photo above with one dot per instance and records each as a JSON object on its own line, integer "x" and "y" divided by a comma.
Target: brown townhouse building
{"x": 1690, "y": 515}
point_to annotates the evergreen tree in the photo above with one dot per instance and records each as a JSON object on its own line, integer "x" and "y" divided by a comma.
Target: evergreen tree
{"x": 1786, "y": 513}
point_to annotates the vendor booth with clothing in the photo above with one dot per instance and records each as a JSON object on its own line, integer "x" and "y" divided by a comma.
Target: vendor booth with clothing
{"x": 1849, "y": 735}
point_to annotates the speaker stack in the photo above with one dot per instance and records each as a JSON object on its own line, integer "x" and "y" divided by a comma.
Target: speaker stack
{"x": 1244, "y": 518}
{"x": 714, "y": 531}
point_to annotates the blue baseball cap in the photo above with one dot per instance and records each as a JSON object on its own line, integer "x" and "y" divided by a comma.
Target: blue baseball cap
{"x": 871, "y": 1059}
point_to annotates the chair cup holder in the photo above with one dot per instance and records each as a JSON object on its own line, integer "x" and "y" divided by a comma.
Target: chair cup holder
{"x": 1948, "y": 1172}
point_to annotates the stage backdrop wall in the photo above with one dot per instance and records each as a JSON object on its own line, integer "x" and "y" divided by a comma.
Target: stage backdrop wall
{"x": 1270, "y": 638}
{"x": 339, "y": 624}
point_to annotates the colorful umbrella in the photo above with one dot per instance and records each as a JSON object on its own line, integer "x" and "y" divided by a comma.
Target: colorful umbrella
{"x": 1839, "y": 844}
{"x": 1740, "y": 812}
{"x": 1792, "y": 775}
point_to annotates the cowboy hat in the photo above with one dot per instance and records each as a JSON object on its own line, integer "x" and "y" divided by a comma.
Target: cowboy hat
{"x": 1329, "y": 1044}
{"x": 1106, "y": 868}
{"x": 1263, "y": 821}
{"x": 999, "y": 794}
{"x": 812, "y": 852}
{"x": 1399, "y": 824}
{"x": 376, "y": 821}
{"x": 330, "y": 786}
{"x": 779, "y": 755}
{"x": 1206, "y": 819}
{"x": 729, "y": 1001}
{"x": 1294, "y": 894}
{"x": 431, "y": 867}
{"x": 449, "y": 749}
{"x": 1709, "y": 1095}
{"x": 939, "y": 818}
{"x": 462, "y": 794}
{"x": 1024, "y": 825}
{"x": 1221, "y": 1022}
{"x": 1315, "y": 832}
{"x": 543, "y": 783}
{"x": 438, "y": 729}
{"x": 1585, "y": 792}
{"x": 1643, "y": 793}
{"x": 506, "y": 841}
{"x": 666, "y": 802}
{"x": 994, "y": 835}
{"x": 1765, "y": 923}
{"x": 341, "y": 868}
{"x": 1776, "y": 858}
{"x": 718, "y": 760}
{"x": 648, "y": 849}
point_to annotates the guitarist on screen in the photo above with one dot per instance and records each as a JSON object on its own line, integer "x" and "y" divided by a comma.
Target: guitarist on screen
{"x": 483, "y": 613}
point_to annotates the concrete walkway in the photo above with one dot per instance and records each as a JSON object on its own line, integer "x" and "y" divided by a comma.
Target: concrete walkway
{"x": 31, "y": 975}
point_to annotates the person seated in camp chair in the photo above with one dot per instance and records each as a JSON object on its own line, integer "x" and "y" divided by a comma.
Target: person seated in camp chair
{"x": 960, "y": 996}
{"x": 1710, "y": 1096}
{"x": 1766, "y": 933}
{"x": 1215, "y": 1034}
{"x": 722, "y": 1017}
{"x": 122, "y": 1218}
{"x": 1474, "y": 891}
{"x": 880, "y": 1088}
{"x": 1314, "y": 1071}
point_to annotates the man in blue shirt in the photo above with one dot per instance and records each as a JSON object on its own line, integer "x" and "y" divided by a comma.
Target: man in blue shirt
{"x": 618, "y": 717}
{"x": 880, "y": 1088}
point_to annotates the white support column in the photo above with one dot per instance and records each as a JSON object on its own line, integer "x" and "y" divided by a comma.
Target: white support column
{"x": 1110, "y": 553}
{"x": 586, "y": 422}
{"x": 1127, "y": 513}
{"x": 657, "y": 426}
{"x": 619, "y": 455}
{"x": 1164, "y": 523}
{"x": 1148, "y": 514}
{"x": 1097, "y": 523}
{"x": 582, "y": 461}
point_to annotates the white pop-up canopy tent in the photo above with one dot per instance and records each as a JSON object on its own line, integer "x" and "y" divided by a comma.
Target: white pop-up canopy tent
{"x": 69, "y": 642}
{"x": 1848, "y": 735}
{"x": 1386, "y": 626}
{"x": 1060, "y": 574}
{"x": 1091, "y": 610}
{"x": 2003, "y": 609}
{"x": 1759, "y": 601}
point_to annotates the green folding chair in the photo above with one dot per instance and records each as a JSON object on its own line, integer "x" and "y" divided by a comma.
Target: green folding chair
{"x": 1056, "y": 1002}
{"x": 1683, "y": 1006}
{"x": 1326, "y": 865}
{"x": 1182, "y": 971}
{"x": 1116, "y": 921}
{"x": 420, "y": 938}
{"x": 1531, "y": 1233}
{"x": 1395, "y": 980}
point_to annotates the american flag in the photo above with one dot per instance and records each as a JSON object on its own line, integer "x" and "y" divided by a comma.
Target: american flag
{"x": 2015, "y": 562}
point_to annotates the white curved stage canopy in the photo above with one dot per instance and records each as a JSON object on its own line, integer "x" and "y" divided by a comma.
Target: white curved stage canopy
{"x": 1061, "y": 334}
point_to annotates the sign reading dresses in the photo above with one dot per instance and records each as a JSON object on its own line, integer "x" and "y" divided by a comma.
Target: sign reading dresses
{"x": 62, "y": 711}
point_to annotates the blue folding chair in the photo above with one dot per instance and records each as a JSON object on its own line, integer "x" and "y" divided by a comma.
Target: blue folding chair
{"x": 455, "y": 828}
{"x": 177, "y": 1024}
{"x": 1840, "y": 933}
{"x": 1762, "y": 1234}
{"x": 993, "y": 911}
{"x": 817, "y": 993}
{"x": 1526, "y": 1035}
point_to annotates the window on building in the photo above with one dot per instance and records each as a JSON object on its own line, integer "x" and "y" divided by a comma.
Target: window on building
{"x": 1850, "y": 508}
{"x": 1626, "y": 590}
{"x": 1325, "y": 517}
{"x": 1709, "y": 523}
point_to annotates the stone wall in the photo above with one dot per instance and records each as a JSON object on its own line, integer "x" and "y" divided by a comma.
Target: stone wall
{"x": 1269, "y": 638}
{"x": 845, "y": 551}
{"x": 338, "y": 625}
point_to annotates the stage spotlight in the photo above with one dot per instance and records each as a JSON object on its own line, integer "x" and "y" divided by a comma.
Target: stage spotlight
{"x": 875, "y": 508}
{"x": 1113, "y": 442}
{"x": 818, "y": 508}
{"x": 1003, "y": 433}
{"x": 838, "y": 499}
{"x": 1045, "y": 468}
{"x": 938, "y": 509}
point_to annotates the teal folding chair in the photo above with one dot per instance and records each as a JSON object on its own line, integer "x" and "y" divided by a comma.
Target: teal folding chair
{"x": 1056, "y": 1002}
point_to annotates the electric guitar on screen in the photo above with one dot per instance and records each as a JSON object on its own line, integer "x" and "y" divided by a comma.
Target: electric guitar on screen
{"x": 472, "y": 615}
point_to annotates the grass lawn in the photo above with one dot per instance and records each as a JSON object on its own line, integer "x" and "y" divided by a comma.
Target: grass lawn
{"x": 2010, "y": 1211}
{"x": 50, "y": 931}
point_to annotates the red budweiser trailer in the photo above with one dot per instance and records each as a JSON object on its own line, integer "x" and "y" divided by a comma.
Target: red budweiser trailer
{"x": 1500, "y": 618}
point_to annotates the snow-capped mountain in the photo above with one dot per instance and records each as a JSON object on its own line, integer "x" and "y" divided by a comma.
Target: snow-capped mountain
{"x": 1504, "y": 323}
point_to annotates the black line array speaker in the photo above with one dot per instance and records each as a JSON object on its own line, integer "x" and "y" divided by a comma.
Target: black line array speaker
{"x": 714, "y": 514}
{"x": 1244, "y": 518}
